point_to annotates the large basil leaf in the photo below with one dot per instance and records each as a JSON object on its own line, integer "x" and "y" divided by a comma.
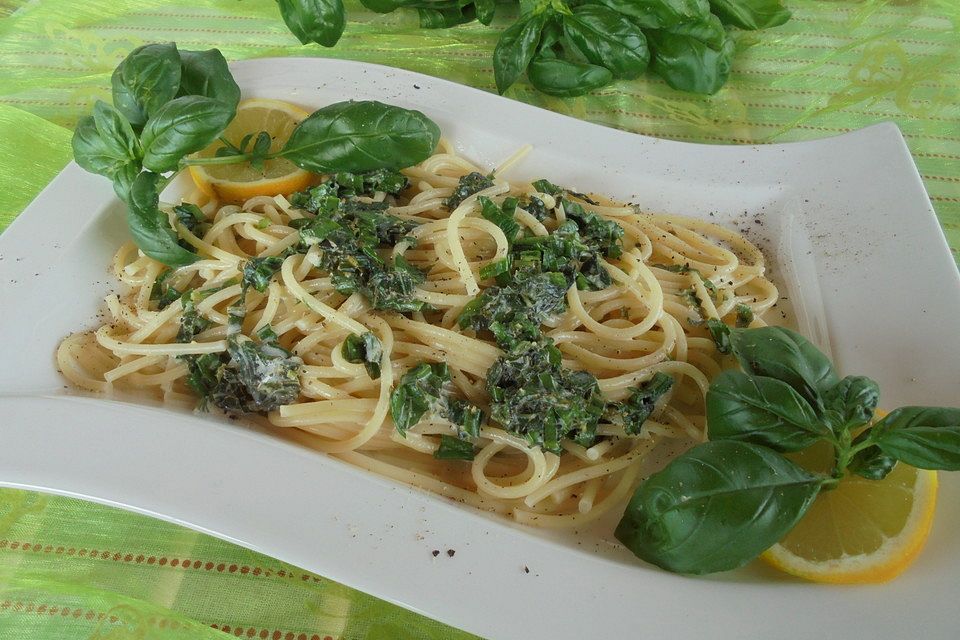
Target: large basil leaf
{"x": 361, "y": 136}
{"x": 762, "y": 411}
{"x": 104, "y": 143}
{"x": 181, "y": 127}
{"x": 660, "y": 14}
{"x": 205, "y": 73}
{"x": 150, "y": 227}
{"x": 924, "y": 437}
{"x": 750, "y": 14}
{"x": 785, "y": 355}
{"x": 557, "y": 77}
{"x": 320, "y": 21}
{"x": 607, "y": 39}
{"x": 694, "y": 57}
{"x": 851, "y": 402}
{"x": 515, "y": 49}
{"x": 146, "y": 79}
{"x": 716, "y": 507}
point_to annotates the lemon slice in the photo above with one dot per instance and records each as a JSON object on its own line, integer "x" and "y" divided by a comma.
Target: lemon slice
{"x": 235, "y": 183}
{"x": 864, "y": 531}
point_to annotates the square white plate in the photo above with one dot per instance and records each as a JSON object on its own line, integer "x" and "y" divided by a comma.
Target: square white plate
{"x": 845, "y": 221}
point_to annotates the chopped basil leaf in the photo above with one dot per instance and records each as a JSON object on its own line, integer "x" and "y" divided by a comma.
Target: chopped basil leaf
{"x": 635, "y": 410}
{"x": 744, "y": 316}
{"x": 468, "y": 185}
{"x": 454, "y": 449}
{"x": 365, "y": 350}
{"x": 427, "y": 389}
{"x": 257, "y": 272}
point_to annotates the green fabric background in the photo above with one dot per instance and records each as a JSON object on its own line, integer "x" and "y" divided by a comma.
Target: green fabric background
{"x": 71, "y": 569}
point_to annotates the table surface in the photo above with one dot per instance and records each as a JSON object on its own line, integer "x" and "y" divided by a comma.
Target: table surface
{"x": 73, "y": 569}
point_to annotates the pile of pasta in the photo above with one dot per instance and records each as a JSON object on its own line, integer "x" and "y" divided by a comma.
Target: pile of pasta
{"x": 624, "y": 334}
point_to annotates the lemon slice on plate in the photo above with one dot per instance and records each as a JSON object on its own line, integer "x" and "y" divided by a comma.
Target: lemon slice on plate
{"x": 235, "y": 183}
{"x": 864, "y": 531}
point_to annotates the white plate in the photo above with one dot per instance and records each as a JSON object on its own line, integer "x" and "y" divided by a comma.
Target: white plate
{"x": 845, "y": 219}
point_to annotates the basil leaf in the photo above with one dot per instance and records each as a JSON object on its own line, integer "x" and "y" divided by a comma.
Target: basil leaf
{"x": 260, "y": 150}
{"x": 872, "y": 463}
{"x": 779, "y": 353}
{"x": 565, "y": 79}
{"x": 123, "y": 179}
{"x": 150, "y": 227}
{"x": 762, "y": 411}
{"x": 851, "y": 402}
{"x": 709, "y": 31}
{"x": 485, "y": 11}
{"x": 320, "y": 21}
{"x": 716, "y": 507}
{"x": 147, "y": 79}
{"x": 454, "y": 449}
{"x": 660, "y": 14}
{"x": 607, "y": 39}
{"x": 116, "y": 132}
{"x": 750, "y": 14}
{"x": 104, "y": 143}
{"x": 181, "y": 127}
{"x": 694, "y": 57}
{"x": 687, "y": 63}
{"x": 361, "y": 136}
{"x": 431, "y": 18}
{"x": 515, "y": 49}
{"x": 381, "y": 6}
{"x": 205, "y": 73}
{"x": 924, "y": 437}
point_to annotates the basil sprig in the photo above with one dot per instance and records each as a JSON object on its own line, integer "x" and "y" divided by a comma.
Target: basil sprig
{"x": 168, "y": 104}
{"x": 720, "y": 504}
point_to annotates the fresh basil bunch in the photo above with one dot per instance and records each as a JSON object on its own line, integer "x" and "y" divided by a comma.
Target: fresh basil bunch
{"x": 571, "y": 47}
{"x": 168, "y": 104}
{"x": 723, "y": 502}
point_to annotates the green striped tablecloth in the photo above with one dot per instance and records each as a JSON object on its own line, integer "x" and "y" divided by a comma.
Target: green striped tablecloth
{"x": 71, "y": 569}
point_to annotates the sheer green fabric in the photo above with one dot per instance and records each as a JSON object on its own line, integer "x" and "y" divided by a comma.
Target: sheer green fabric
{"x": 71, "y": 569}
{"x": 74, "y": 569}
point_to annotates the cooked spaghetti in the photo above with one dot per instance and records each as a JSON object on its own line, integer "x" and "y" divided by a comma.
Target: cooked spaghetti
{"x": 632, "y": 313}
